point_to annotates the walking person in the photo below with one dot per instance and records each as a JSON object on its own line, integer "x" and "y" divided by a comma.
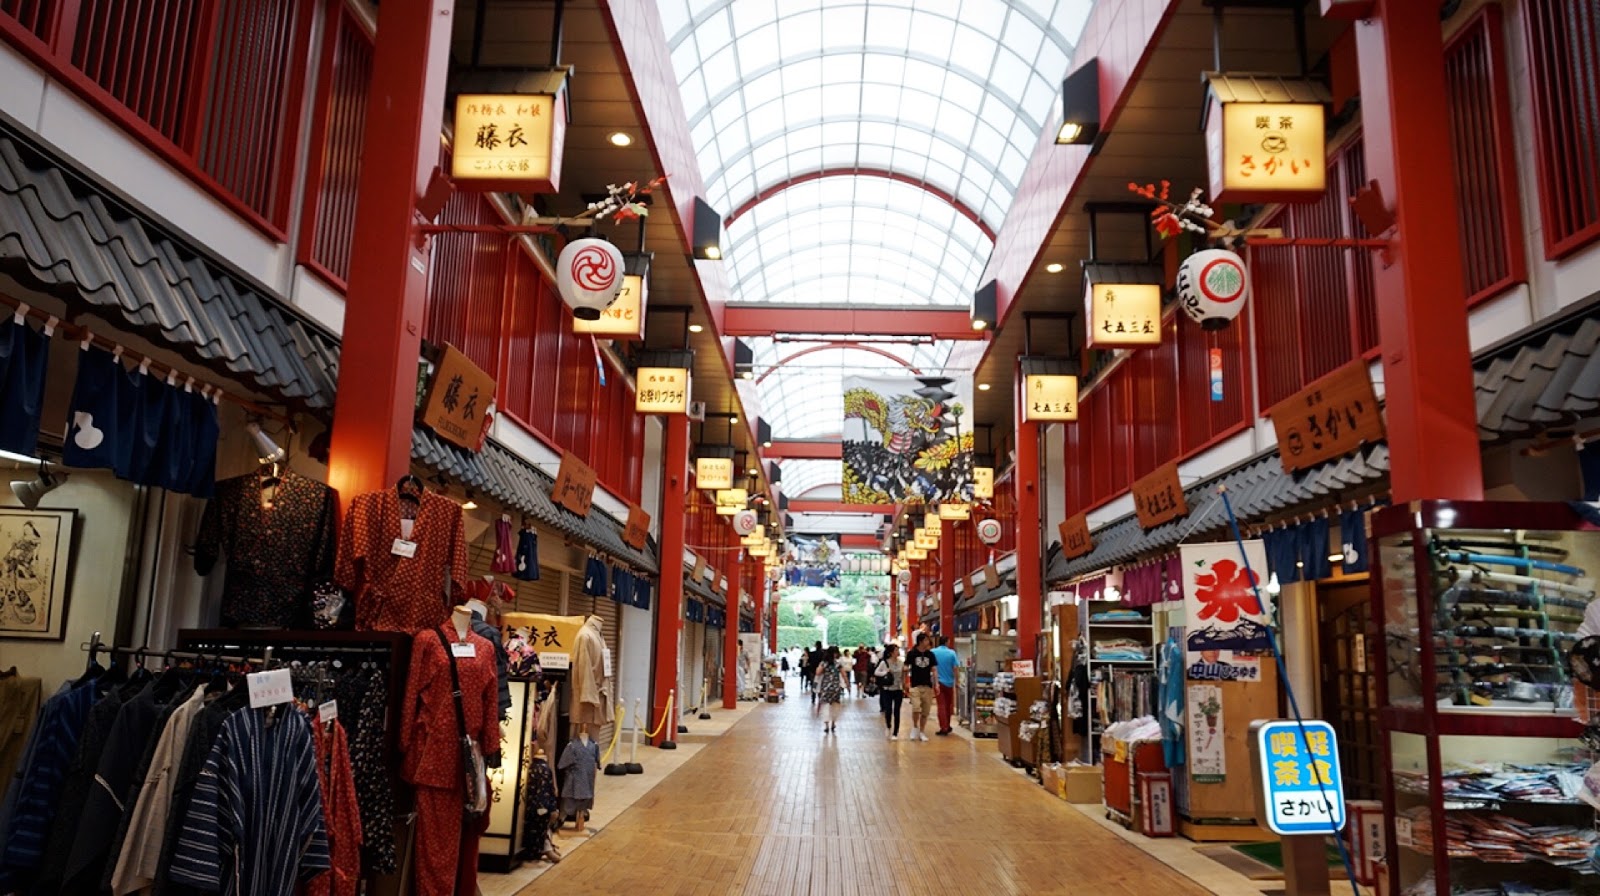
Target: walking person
{"x": 830, "y": 688}
{"x": 945, "y": 658}
{"x": 808, "y": 669}
{"x": 920, "y": 666}
{"x": 863, "y": 667}
{"x": 890, "y": 672}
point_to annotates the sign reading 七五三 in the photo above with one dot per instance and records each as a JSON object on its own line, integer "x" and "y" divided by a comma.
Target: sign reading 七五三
{"x": 1124, "y": 315}
{"x": 1050, "y": 398}
{"x": 1300, "y": 780}
{"x": 1328, "y": 419}
{"x": 661, "y": 390}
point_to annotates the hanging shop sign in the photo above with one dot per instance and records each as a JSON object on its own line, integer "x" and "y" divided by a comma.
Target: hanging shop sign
{"x": 1050, "y": 398}
{"x": 713, "y": 472}
{"x": 1122, "y": 315}
{"x": 758, "y": 535}
{"x": 699, "y": 568}
{"x": 512, "y": 141}
{"x": 1158, "y": 497}
{"x": 953, "y": 511}
{"x": 745, "y": 522}
{"x": 930, "y": 521}
{"x": 1301, "y": 784}
{"x": 1075, "y": 538}
{"x": 662, "y": 390}
{"x": 915, "y": 554}
{"x": 760, "y": 550}
{"x": 731, "y": 500}
{"x": 983, "y": 483}
{"x": 460, "y": 402}
{"x": 637, "y": 532}
{"x": 624, "y": 317}
{"x": 1208, "y": 753}
{"x": 574, "y": 487}
{"x": 1227, "y": 610}
{"x": 552, "y": 637}
{"x": 1328, "y": 419}
{"x": 927, "y": 541}
{"x": 1260, "y": 151}
{"x": 991, "y": 576}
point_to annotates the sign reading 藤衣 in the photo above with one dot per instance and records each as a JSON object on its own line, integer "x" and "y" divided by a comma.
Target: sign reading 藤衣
{"x": 460, "y": 403}
{"x": 1300, "y": 781}
{"x": 1227, "y": 628}
{"x": 1328, "y": 419}
{"x": 511, "y": 141}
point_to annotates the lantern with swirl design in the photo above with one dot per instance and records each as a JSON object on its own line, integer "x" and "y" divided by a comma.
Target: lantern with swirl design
{"x": 589, "y": 275}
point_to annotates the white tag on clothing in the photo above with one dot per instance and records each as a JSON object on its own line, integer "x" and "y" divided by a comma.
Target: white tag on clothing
{"x": 404, "y": 548}
{"x": 465, "y": 650}
{"x": 405, "y": 528}
{"x": 329, "y": 711}
{"x": 269, "y": 688}
{"x": 607, "y": 655}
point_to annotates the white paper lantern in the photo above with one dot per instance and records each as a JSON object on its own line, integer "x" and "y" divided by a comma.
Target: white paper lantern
{"x": 744, "y": 522}
{"x": 1212, "y": 287}
{"x": 589, "y": 275}
{"x": 989, "y": 531}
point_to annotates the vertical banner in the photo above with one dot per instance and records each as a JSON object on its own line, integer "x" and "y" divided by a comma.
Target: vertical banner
{"x": 1226, "y": 630}
{"x": 1208, "y": 755}
{"x": 749, "y": 665}
{"x": 907, "y": 440}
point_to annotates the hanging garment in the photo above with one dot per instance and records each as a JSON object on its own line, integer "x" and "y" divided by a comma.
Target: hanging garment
{"x": 35, "y": 789}
{"x": 446, "y": 846}
{"x": 364, "y": 698}
{"x": 75, "y": 787}
{"x": 394, "y": 592}
{"x": 203, "y": 732}
{"x": 24, "y": 358}
{"x": 591, "y": 693}
{"x": 580, "y": 762}
{"x": 527, "y": 555}
{"x": 430, "y": 743}
{"x": 19, "y": 706}
{"x": 140, "y": 856}
{"x": 254, "y": 824}
{"x": 1172, "y": 716}
{"x": 539, "y": 807}
{"x": 504, "y": 561}
{"x": 594, "y": 577}
{"x": 341, "y": 815}
{"x": 279, "y": 542}
{"x": 489, "y": 633}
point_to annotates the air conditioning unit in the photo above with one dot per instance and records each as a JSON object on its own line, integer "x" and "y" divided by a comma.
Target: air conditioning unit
{"x": 697, "y": 411}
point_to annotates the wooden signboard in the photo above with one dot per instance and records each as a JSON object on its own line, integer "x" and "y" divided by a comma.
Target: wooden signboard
{"x": 1329, "y": 419}
{"x": 459, "y": 400}
{"x": 574, "y": 488}
{"x": 991, "y": 576}
{"x": 1075, "y": 538}
{"x": 699, "y": 568}
{"x": 1158, "y": 497}
{"x": 637, "y": 532}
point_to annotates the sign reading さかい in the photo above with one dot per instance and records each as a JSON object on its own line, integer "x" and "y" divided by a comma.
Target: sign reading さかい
{"x": 662, "y": 390}
{"x": 1300, "y": 780}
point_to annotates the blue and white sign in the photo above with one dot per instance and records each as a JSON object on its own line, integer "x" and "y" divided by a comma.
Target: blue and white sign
{"x": 1300, "y": 777}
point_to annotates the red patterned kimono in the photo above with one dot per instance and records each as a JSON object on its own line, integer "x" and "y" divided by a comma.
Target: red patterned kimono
{"x": 392, "y": 592}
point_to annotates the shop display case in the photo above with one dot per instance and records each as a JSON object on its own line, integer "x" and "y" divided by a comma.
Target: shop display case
{"x": 980, "y": 658}
{"x": 1478, "y": 606}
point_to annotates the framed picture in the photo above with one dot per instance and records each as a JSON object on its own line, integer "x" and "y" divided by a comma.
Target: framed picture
{"x": 35, "y": 572}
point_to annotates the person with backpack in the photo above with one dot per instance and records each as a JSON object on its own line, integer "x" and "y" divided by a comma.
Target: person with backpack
{"x": 830, "y": 688}
{"x": 889, "y": 673}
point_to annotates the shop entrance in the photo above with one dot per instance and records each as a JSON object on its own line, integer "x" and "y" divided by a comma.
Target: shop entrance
{"x": 1348, "y": 688}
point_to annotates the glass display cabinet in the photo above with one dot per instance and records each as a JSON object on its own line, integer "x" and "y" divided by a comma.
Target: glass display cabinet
{"x": 1479, "y": 604}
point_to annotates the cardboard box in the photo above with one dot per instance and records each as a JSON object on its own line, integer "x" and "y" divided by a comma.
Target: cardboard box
{"x": 1082, "y": 784}
{"x": 1052, "y": 776}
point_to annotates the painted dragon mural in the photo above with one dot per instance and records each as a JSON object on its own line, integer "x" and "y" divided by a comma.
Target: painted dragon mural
{"x": 903, "y": 441}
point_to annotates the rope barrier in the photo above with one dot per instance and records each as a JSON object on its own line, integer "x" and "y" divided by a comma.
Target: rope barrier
{"x": 665, "y": 715}
{"x": 616, "y": 734}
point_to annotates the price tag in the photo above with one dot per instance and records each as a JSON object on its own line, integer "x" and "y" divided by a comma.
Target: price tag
{"x": 1402, "y": 831}
{"x": 607, "y": 655}
{"x": 555, "y": 660}
{"x": 403, "y": 548}
{"x": 329, "y": 711}
{"x": 464, "y": 650}
{"x": 269, "y": 688}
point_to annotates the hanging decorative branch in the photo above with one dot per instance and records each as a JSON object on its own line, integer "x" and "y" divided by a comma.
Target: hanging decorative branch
{"x": 623, "y": 202}
{"x": 1171, "y": 219}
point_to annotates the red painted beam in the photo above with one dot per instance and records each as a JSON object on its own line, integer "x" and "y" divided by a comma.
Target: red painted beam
{"x": 739, "y": 320}
{"x": 806, "y": 450}
{"x": 860, "y": 541}
{"x": 965, "y": 210}
{"x": 838, "y": 507}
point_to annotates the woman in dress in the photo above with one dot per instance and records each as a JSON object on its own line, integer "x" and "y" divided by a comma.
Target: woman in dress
{"x": 830, "y": 688}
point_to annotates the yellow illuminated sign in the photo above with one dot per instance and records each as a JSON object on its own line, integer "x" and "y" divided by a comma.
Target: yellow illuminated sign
{"x": 1258, "y": 151}
{"x": 661, "y": 390}
{"x": 955, "y": 511}
{"x": 623, "y": 317}
{"x": 713, "y": 472}
{"x": 1124, "y": 315}
{"x": 983, "y": 483}
{"x": 925, "y": 540}
{"x": 1050, "y": 398}
{"x": 508, "y": 140}
{"x": 731, "y": 500}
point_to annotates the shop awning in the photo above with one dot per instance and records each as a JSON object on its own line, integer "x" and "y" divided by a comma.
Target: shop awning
{"x": 499, "y": 473}
{"x": 1258, "y": 488}
{"x": 64, "y": 234}
{"x": 1544, "y": 380}
{"x": 700, "y": 589}
{"x": 985, "y": 595}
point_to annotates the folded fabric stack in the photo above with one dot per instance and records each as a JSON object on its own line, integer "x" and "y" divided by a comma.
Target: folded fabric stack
{"x": 1119, "y": 616}
{"x": 1121, "y": 649}
{"x": 1427, "y": 887}
{"x": 1502, "y": 839}
{"x": 1482, "y": 784}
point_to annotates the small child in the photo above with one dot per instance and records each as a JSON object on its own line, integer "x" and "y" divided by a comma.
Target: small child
{"x": 580, "y": 762}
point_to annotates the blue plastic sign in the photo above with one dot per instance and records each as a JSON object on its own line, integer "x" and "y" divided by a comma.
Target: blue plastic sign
{"x": 1300, "y": 777}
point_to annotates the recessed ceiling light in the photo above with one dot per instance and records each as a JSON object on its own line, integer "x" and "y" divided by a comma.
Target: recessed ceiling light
{"x": 748, "y": 374}
{"x": 983, "y": 387}
{"x": 696, "y": 328}
{"x": 767, "y": 444}
{"x": 713, "y": 253}
{"x": 1055, "y": 267}
{"x": 734, "y": 419}
{"x": 621, "y": 138}
{"x": 979, "y": 324}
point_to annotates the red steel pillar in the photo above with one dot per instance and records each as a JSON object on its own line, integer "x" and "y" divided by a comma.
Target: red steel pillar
{"x": 737, "y": 573}
{"x": 373, "y": 410}
{"x": 947, "y": 577}
{"x": 913, "y": 599}
{"x": 669, "y": 603}
{"x": 1030, "y": 557}
{"x": 758, "y": 593}
{"x": 1422, "y": 316}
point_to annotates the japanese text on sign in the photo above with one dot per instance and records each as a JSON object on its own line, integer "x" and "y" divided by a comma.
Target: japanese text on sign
{"x": 1050, "y": 398}
{"x": 1124, "y": 314}
{"x": 1329, "y": 419}
{"x": 662, "y": 390}
{"x": 505, "y": 137}
{"x": 623, "y": 317}
{"x": 637, "y": 531}
{"x": 551, "y": 637}
{"x": 713, "y": 472}
{"x": 1075, "y": 538}
{"x": 574, "y": 486}
{"x": 1300, "y": 779}
{"x": 1158, "y": 497}
{"x": 460, "y": 402}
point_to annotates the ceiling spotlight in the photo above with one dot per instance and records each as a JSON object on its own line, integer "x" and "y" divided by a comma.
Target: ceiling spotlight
{"x": 979, "y": 323}
{"x": 30, "y": 491}
{"x": 469, "y": 504}
{"x": 767, "y": 444}
{"x": 712, "y": 252}
{"x": 621, "y": 139}
{"x": 734, "y": 419}
{"x": 754, "y": 472}
{"x": 1055, "y": 267}
{"x": 749, "y": 374}
{"x": 696, "y": 328}
{"x": 269, "y": 451}
{"x": 983, "y": 387}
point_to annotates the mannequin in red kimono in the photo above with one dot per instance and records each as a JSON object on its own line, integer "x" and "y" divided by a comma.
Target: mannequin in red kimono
{"x": 447, "y": 849}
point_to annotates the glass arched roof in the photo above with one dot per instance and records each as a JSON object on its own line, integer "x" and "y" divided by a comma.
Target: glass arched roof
{"x": 804, "y": 397}
{"x": 802, "y": 476}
